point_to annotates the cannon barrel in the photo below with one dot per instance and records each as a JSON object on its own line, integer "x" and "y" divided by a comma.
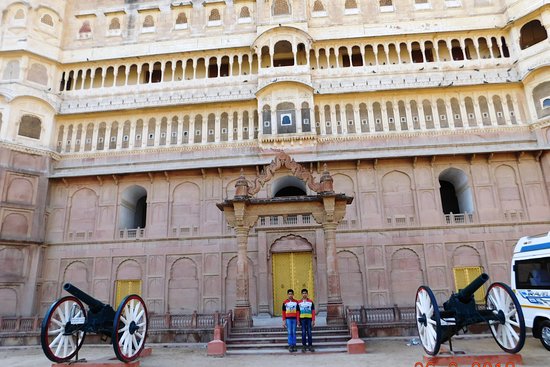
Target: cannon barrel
{"x": 466, "y": 294}
{"x": 94, "y": 304}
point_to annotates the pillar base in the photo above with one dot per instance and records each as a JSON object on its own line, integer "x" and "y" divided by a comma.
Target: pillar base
{"x": 335, "y": 313}
{"x": 242, "y": 316}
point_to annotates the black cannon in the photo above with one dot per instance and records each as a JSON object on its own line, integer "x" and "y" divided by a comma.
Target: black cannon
{"x": 501, "y": 311}
{"x": 66, "y": 323}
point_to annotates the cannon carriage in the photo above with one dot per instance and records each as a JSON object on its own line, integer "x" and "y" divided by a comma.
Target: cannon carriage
{"x": 67, "y": 322}
{"x": 501, "y": 311}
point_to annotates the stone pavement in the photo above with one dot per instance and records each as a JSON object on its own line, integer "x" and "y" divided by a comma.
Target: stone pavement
{"x": 380, "y": 352}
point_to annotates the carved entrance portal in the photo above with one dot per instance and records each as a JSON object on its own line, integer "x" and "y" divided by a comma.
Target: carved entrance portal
{"x": 326, "y": 207}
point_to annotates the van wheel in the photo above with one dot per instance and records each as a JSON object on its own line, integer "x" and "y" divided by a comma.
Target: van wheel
{"x": 545, "y": 334}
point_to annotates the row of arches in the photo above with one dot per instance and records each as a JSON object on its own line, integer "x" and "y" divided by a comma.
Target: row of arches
{"x": 182, "y": 287}
{"x": 284, "y": 53}
{"x": 397, "y": 199}
{"x": 154, "y": 132}
{"x": 326, "y": 119}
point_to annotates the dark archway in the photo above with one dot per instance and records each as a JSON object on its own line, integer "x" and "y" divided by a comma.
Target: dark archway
{"x": 449, "y": 201}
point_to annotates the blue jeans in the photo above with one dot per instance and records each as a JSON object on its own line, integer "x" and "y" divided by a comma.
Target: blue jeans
{"x": 306, "y": 331}
{"x": 291, "y": 329}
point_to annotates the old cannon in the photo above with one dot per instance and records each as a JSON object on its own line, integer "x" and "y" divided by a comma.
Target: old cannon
{"x": 66, "y": 323}
{"x": 501, "y": 311}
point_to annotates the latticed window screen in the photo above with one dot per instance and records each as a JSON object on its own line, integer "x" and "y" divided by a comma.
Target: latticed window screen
{"x": 124, "y": 288}
{"x": 245, "y": 12}
{"x": 464, "y": 276}
{"x": 281, "y": 7}
{"x": 318, "y": 6}
{"x": 214, "y": 15}
{"x": 350, "y": 4}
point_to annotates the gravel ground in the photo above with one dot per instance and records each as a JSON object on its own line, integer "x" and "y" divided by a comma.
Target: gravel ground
{"x": 380, "y": 352}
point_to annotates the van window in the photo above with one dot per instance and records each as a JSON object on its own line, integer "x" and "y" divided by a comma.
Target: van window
{"x": 533, "y": 273}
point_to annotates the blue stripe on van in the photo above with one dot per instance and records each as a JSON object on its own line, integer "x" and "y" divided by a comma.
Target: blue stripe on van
{"x": 540, "y": 246}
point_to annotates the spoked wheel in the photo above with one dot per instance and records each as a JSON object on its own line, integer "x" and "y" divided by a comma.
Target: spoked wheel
{"x": 61, "y": 333}
{"x": 509, "y": 327}
{"x": 130, "y": 328}
{"x": 428, "y": 320}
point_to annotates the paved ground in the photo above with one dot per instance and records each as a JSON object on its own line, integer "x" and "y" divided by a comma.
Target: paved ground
{"x": 381, "y": 352}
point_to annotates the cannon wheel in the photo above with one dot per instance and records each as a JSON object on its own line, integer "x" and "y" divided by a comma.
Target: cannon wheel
{"x": 130, "y": 328}
{"x": 428, "y": 320}
{"x": 58, "y": 343}
{"x": 509, "y": 329}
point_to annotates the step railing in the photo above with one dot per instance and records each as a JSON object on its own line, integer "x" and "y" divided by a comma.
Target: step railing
{"x": 226, "y": 321}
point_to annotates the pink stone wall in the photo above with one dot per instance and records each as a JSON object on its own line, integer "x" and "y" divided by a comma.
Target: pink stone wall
{"x": 394, "y": 236}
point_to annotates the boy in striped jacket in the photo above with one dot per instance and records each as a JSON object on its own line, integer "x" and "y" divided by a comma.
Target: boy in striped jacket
{"x": 306, "y": 309}
{"x": 290, "y": 317}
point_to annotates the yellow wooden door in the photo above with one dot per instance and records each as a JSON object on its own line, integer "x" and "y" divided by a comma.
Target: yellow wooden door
{"x": 464, "y": 276}
{"x": 125, "y": 288}
{"x": 291, "y": 270}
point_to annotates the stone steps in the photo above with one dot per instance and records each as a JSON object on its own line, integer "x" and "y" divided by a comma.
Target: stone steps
{"x": 273, "y": 340}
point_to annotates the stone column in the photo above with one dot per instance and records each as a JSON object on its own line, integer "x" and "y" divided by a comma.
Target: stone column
{"x": 335, "y": 307}
{"x": 243, "y": 314}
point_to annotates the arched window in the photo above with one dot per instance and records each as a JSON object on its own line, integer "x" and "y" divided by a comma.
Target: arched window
{"x": 19, "y": 16}
{"x": 85, "y": 28}
{"x": 182, "y": 19}
{"x": 532, "y": 33}
{"x": 38, "y": 73}
{"x": 455, "y": 191}
{"x": 47, "y": 20}
{"x": 280, "y": 7}
{"x": 30, "y": 126}
{"x": 546, "y": 103}
{"x": 115, "y": 24}
{"x": 148, "y": 22}
{"x": 12, "y": 70}
{"x": 133, "y": 208}
{"x": 283, "y": 55}
{"x": 288, "y": 186}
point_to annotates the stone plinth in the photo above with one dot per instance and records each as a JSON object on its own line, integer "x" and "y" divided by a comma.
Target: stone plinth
{"x": 355, "y": 344}
{"x": 217, "y": 347}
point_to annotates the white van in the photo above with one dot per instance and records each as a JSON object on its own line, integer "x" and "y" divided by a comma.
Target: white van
{"x": 531, "y": 283}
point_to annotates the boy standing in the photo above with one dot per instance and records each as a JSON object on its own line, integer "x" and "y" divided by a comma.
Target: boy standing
{"x": 306, "y": 309}
{"x": 290, "y": 317}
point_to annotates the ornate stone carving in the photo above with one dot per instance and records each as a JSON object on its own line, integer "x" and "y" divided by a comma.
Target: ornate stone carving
{"x": 284, "y": 160}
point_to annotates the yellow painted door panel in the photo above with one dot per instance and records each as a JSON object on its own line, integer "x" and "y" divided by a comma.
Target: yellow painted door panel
{"x": 291, "y": 270}
{"x": 125, "y": 288}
